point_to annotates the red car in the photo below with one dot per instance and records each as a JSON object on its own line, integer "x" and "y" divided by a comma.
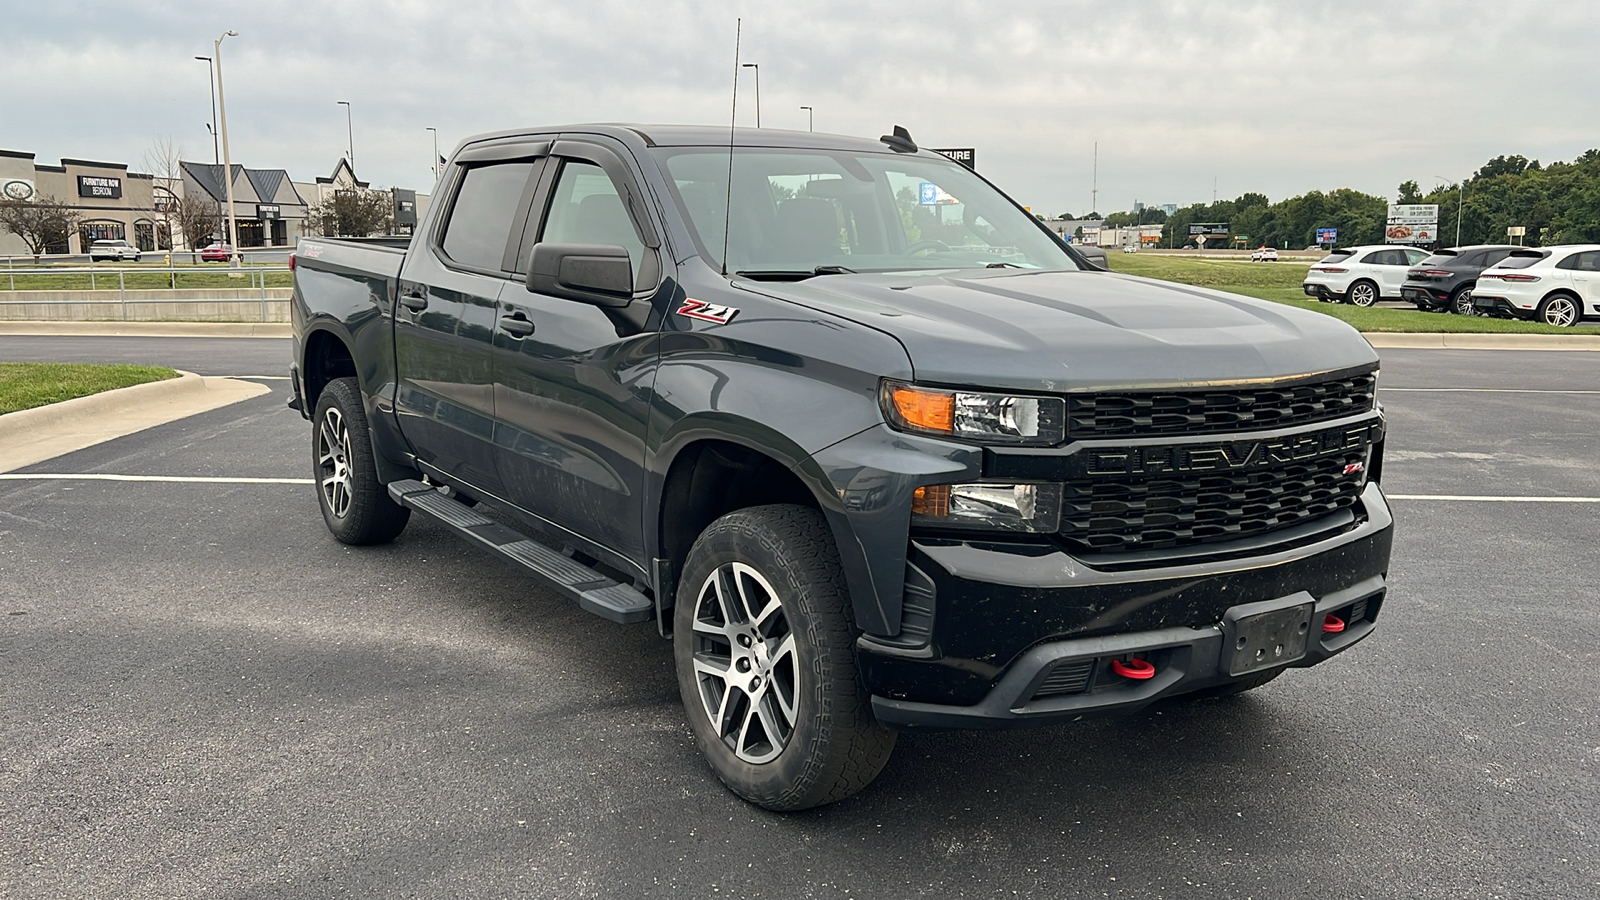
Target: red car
{"x": 216, "y": 253}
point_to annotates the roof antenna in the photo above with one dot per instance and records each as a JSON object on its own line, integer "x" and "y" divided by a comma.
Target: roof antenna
{"x": 900, "y": 141}
{"x": 727, "y": 209}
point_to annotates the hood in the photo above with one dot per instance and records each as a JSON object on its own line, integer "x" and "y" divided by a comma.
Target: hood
{"x": 1081, "y": 330}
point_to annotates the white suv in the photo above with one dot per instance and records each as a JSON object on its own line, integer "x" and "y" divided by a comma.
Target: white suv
{"x": 1553, "y": 285}
{"x": 1362, "y": 275}
{"x": 113, "y": 250}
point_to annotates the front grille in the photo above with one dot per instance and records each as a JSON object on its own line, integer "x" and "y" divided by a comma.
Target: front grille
{"x": 1150, "y": 512}
{"x": 1212, "y": 412}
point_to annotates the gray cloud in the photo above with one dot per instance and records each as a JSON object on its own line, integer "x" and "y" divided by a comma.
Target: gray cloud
{"x": 1273, "y": 97}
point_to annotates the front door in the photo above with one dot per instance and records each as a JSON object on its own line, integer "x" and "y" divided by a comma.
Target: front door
{"x": 445, "y": 322}
{"x": 572, "y": 382}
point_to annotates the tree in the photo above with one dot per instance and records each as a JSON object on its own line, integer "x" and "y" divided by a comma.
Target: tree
{"x": 198, "y": 218}
{"x": 41, "y": 222}
{"x": 1409, "y": 193}
{"x": 351, "y": 213}
{"x": 166, "y": 173}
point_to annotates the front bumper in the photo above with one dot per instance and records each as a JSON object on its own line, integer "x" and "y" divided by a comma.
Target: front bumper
{"x": 1019, "y": 638}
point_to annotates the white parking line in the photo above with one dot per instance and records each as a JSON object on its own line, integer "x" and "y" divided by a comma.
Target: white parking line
{"x": 1463, "y": 498}
{"x": 178, "y": 479}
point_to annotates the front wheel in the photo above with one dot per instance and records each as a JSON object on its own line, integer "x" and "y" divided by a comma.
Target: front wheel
{"x": 1560, "y": 310}
{"x": 1363, "y": 293}
{"x": 765, "y": 652}
{"x": 354, "y": 503}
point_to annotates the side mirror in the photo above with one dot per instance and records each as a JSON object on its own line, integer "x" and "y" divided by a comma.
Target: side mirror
{"x": 598, "y": 274}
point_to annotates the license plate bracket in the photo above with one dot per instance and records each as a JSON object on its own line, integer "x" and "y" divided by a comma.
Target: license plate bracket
{"x": 1267, "y": 634}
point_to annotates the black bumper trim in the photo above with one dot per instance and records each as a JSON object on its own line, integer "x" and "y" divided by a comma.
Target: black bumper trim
{"x": 1186, "y": 659}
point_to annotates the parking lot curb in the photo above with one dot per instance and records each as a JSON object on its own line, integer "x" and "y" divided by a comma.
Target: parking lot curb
{"x": 33, "y": 435}
{"x": 1433, "y": 341}
{"x": 150, "y": 329}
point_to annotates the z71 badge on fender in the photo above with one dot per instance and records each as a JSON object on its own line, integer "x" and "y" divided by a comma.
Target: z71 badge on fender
{"x": 708, "y": 312}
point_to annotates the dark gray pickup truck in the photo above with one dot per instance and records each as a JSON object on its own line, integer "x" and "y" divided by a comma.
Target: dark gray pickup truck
{"x": 869, "y": 443}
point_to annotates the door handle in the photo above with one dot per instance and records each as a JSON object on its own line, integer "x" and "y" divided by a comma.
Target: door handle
{"x": 516, "y": 325}
{"x": 414, "y": 300}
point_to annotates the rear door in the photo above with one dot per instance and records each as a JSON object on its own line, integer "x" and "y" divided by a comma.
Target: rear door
{"x": 572, "y": 381}
{"x": 446, "y": 314}
{"x": 1586, "y": 279}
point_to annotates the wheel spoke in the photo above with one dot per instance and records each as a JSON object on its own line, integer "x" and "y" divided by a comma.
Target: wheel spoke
{"x": 751, "y": 607}
{"x": 776, "y": 733}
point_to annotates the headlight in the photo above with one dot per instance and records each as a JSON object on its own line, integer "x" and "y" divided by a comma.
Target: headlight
{"x": 965, "y": 414}
{"x": 1030, "y": 508}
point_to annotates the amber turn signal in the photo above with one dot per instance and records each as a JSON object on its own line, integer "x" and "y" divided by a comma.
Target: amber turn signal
{"x": 929, "y": 410}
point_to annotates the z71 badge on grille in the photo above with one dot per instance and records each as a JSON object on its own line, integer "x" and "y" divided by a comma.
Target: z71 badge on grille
{"x": 708, "y": 312}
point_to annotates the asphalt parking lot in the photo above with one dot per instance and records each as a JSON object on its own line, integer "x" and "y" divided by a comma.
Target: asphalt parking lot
{"x": 206, "y": 695}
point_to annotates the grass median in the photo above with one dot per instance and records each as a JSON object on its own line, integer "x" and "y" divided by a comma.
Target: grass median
{"x": 27, "y": 385}
{"x": 1280, "y": 282}
{"x": 199, "y": 277}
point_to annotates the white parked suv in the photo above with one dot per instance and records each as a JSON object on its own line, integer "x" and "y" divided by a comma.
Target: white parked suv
{"x": 1362, "y": 275}
{"x": 113, "y": 250}
{"x": 1553, "y": 285}
{"x": 1265, "y": 254}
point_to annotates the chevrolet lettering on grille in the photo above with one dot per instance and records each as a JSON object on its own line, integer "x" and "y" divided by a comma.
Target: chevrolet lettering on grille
{"x": 1223, "y": 456}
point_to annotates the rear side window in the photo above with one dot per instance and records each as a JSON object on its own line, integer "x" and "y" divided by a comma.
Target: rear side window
{"x": 1588, "y": 261}
{"x": 480, "y": 219}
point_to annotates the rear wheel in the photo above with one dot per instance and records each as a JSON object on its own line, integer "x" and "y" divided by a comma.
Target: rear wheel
{"x": 1461, "y": 302}
{"x": 1363, "y": 293}
{"x": 1558, "y": 309}
{"x": 354, "y": 503}
{"x": 765, "y": 652}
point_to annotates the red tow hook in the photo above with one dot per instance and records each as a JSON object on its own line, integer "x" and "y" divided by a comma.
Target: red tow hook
{"x": 1137, "y": 669}
{"x": 1332, "y": 624}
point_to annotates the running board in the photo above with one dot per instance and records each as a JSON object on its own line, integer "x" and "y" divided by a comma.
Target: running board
{"x": 595, "y": 592}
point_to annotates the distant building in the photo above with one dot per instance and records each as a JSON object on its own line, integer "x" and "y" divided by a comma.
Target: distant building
{"x": 267, "y": 208}
{"x": 115, "y": 204}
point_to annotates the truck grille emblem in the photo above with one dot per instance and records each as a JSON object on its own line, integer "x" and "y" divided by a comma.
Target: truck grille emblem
{"x": 708, "y": 312}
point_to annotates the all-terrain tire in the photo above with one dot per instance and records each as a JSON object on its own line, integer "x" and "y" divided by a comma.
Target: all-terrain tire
{"x": 764, "y": 644}
{"x": 355, "y": 505}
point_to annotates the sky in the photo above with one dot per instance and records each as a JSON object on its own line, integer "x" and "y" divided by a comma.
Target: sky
{"x": 1181, "y": 98}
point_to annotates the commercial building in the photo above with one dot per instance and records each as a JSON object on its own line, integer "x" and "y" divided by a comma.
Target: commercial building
{"x": 115, "y": 204}
{"x": 267, "y": 208}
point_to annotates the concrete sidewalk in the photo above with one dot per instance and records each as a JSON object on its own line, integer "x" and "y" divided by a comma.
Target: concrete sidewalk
{"x": 35, "y": 435}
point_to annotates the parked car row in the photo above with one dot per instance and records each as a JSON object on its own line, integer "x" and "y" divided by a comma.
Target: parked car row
{"x": 1553, "y": 285}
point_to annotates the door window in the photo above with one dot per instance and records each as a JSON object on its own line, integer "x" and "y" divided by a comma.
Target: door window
{"x": 480, "y": 219}
{"x": 585, "y": 208}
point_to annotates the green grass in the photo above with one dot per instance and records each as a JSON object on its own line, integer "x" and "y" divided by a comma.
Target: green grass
{"x": 27, "y": 385}
{"x": 1280, "y": 282}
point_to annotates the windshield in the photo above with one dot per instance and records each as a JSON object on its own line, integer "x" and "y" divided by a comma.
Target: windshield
{"x": 797, "y": 210}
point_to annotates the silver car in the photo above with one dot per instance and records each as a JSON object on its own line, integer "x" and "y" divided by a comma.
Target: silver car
{"x": 118, "y": 250}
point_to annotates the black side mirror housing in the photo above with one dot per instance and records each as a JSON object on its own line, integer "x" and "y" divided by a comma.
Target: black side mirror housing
{"x": 598, "y": 274}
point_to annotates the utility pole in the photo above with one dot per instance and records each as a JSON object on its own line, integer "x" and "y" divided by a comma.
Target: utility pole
{"x": 758, "y": 89}
{"x": 1094, "y": 188}
{"x": 227, "y": 160}
{"x": 211, "y": 79}
{"x": 350, "y": 133}
{"x": 435, "y": 161}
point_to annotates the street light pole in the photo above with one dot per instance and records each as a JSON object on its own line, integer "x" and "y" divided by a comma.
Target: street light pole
{"x": 350, "y": 133}
{"x": 811, "y": 122}
{"x": 211, "y": 79}
{"x": 758, "y": 89}
{"x": 227, "y": 159}
{"x": 1461, "y": 200}
{"x": 435, "y": 160}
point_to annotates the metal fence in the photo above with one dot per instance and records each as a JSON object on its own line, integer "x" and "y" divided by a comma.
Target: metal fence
{"x": 102, "y": 278}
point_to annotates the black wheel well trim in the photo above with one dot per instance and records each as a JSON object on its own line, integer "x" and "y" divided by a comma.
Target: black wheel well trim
{"x": 315, "y": 373}
{"x": 677, "y": 521}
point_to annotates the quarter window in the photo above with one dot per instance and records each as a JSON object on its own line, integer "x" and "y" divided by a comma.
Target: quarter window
{"x": 480, "y": 218}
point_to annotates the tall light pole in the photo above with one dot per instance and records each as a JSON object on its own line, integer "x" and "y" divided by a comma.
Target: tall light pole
{"x": 227, "y": 159}
{"x": 758, "y": 89}
{"x": 435, "y": 159}
{"x": 811, "y": 121}
{"x": 350, "y": 133}
{"x": 211, "y": 80}
{"x": 1461, "y": 200}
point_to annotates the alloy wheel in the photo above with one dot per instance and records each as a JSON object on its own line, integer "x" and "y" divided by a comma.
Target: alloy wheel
{"x": 1363, "y": 294}
{"x": 1560, "y": 311}
{"x": 745, "y": 662}
{"x": 333, "y": 463}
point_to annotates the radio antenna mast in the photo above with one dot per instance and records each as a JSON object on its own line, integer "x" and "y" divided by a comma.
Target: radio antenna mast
{"x": 733, "y": 118}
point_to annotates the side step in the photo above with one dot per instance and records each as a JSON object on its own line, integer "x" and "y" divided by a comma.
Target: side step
{"x": 595, "y": 592}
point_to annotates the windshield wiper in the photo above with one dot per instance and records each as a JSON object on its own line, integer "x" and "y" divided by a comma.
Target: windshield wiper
{"x": 792, "y": 275}
{"x": 1002, "y": 265}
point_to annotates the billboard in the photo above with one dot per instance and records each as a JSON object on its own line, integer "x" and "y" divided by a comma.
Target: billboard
{"x": 967, "y": 156}
{"x": 1327, "y": 235}
{"x": 1091, "y": 235}
{"x": 1412, "y": 223}
{"x": 1208, "y": 229}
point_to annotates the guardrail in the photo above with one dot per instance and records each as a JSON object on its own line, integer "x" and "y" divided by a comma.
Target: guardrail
{"x": 97, "y": 275}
